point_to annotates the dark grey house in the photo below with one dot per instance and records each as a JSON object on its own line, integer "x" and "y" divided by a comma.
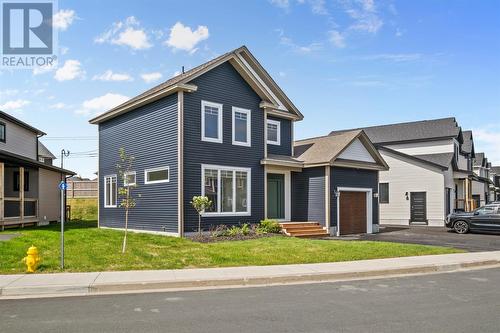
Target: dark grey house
{"x": 224, "y": 129}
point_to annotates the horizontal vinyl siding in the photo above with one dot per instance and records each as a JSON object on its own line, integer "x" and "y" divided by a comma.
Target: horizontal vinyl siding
{"x": 407, "y": 176}
{"x": 347, "y": 177}
{"x": 308, "y": 195}
{"x": 285, "y": 147}
{"x": 150, "y": 135}
{"x": 19, "y": 140}
{"x": 222, "y": 85}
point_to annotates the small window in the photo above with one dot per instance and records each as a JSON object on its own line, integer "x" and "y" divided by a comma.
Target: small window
{"x": 16, "y": 181}
{"x": 129, "y": 178}
{"x": 2, "y": 132}
{"x": 273, "y": 132}
{"x": 383, "y": 193}
{"x": 157, "y": 175}
{"x": 211, "y": 122}
{"x": 110, "y": 191}
{"x": 241, "y": 127}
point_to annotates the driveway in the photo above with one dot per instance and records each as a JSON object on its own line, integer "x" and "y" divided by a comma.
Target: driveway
{"x": 438, "y": 236}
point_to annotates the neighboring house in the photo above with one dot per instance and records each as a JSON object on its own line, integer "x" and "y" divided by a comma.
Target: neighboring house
{"x": 495, "y": 187}
{"x": 81, "y": 187}
{"x": 225, "y": 130}
{"x": 29, "y": 193}
{"x": 430, "y": 170}
{"x": 481, "y": 181}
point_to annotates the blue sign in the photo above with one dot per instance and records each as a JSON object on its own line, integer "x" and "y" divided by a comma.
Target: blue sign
{"x": 63, "y": 186}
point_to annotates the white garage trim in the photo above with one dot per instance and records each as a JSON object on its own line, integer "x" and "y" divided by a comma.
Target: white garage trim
{"x": 369, "y": 204}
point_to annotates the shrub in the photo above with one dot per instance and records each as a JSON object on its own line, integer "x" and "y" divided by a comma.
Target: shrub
{"x": 269, "y": 226}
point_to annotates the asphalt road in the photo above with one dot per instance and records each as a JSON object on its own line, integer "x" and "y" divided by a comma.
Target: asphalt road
{"x": 448, "y": 302}
{"x": 473, "y": 242}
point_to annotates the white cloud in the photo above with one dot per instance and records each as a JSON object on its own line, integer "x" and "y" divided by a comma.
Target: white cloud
{"x": 15, "y": 105}
{"x": 303, "y": 49}
{"x": 126, "y": 33}
{"x": 336, "y": 38}
{"x": 72, "y": 69}
{"x": 184, "y": 38}
{"x": 101, "y": 104}
{"x": 280, "y": 3}
{"x": 151, "y": 77}
{"x": 58, "y": 106}
{"x": 8, "y": 92}
{"x": 486, "y": 140}
{"x": 63, "y": 19}
{"x": 396, "y": 57}
{"x": 318, "y": 7}
{"x": 110, "y": 76}
{"x": 364, "y": 13}
{"x": 45, "y": 69}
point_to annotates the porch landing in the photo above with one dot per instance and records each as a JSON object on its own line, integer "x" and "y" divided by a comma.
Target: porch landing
{"x": 304, "y": 229}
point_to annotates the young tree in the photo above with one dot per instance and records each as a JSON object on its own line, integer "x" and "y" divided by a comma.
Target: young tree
{"x": 127, "y": 200}
{"x": 200, "y": 203}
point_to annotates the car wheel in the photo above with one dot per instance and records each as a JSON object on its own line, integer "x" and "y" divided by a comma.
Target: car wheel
{"x": 461, "y": 227}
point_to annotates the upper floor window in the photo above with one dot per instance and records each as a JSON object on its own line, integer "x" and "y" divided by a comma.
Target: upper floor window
{"x": 129, "y": 178}
{"x": 2, "y": 132}
{"x": 110, "y": 191}
{"x": 241, "y": 126}
{"x": 211, "y": 122}
{"x": 273, "y": 132}
{"x": 157, "y": 175}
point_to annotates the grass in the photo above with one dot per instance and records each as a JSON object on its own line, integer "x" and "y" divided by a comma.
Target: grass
{"x": 91, "y": 249}
{"x": 83, "y": 208}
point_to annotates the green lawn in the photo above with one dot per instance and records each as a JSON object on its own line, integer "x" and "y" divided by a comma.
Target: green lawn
{"x": 92, "y": 249}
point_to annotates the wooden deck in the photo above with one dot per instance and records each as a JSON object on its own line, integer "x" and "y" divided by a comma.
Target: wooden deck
{"x": 303, "y": 229}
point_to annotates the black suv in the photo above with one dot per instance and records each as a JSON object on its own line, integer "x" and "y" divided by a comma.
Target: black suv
{"x": 486, "y": 218}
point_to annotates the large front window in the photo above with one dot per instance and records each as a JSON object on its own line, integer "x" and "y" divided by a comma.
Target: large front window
{"x": 211, "y": 122}
{"x": 228, "y": 188}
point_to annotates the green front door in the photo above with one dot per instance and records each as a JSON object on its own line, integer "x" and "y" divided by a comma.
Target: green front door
{"x": 275, "y": 196}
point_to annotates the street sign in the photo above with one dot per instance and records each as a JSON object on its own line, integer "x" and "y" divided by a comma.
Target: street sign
{"x": 63, "y": 186}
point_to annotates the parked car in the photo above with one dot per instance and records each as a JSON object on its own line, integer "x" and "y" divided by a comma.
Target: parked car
{"x": 486, "y": 218}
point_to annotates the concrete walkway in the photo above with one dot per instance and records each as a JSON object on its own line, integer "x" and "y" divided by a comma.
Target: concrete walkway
{"x": 65, "y": 284}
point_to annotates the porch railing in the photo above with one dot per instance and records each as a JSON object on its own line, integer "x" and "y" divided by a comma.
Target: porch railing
{"x": 12, "y": 207}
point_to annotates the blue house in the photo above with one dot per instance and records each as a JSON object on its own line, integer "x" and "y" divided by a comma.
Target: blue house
{"x": 225, "y": 130}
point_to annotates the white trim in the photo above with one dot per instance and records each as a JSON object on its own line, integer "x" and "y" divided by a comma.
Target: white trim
{"x": 369, "y": 204}
{"x": 125, "y": 174}
{"x": 234, "y": 169}
{"x": 278, "y": 134}
{"x": 180, "y": 162}
{"x": 146, "y": 171}
{"x": 288, "y": 192}
{"x": 219, "y": 121}
{"x": 106, "y": 192}
{"x": 248, "y": 113}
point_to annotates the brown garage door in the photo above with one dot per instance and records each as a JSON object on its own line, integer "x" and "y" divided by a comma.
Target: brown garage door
{"x": 352, "y": 213}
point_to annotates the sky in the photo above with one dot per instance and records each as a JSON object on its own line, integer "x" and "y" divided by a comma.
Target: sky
{"x": 344, "y": 63}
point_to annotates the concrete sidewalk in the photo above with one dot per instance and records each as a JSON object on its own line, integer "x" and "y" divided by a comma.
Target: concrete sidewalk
{"x": 65, "y": 284}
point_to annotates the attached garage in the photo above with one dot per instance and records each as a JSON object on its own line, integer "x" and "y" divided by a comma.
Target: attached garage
{"x": 352, "y": 213}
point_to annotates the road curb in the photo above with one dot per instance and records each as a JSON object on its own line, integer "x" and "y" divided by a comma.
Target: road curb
{"x": 96, "y": 288}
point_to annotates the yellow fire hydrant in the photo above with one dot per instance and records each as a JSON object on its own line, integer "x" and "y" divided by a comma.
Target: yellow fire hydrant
{"x": 32, "y": 259}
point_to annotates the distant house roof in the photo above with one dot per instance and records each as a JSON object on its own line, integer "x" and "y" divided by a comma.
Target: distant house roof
{"x": 438, "y": 161}
{"x": 479, "y": 160}
{"x": 44, "y": 151}
{"x": 495, "y": 170}
{"x": 20, "y": 123}
{"x": 250, "y": 69}
{"x": 442, "y": 159}
{"x": 325, "y": 149}
{"x": 468, "y": 143}
{"x": 412, "y": 131}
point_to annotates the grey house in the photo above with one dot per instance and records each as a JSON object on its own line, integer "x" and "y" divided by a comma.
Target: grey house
{"x": 225, "y": 130}
{"x": 29, "y": 193}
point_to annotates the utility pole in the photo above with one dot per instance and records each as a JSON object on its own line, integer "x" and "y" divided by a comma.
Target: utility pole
{"x": 62, "y": 187}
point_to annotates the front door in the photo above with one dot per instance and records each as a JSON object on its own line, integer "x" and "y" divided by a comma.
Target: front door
{"x": 275, "y": 196}
{"x": 418, "y": 207}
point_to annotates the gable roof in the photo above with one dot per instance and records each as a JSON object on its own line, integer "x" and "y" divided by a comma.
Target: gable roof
{"x": 479, "y": 160}
{"x": 495, "y": 170}
{"x": 245, "y": 63}
{"x": 442, "y": 159}
{"x": 44, "y": 151}
{"x": 325, "y": 150}
{"x": 16, "y": 121}
{"x": 418, "y": 158}
{"x": 412, "y": 131}
{"x": 468, "y": 144}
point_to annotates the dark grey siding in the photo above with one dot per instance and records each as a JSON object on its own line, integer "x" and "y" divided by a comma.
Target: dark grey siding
{"x": 347, "y": 177}
{"x": 285, "y": 147}
{"x": 222, "y": 85}
{"x": 308, "y": 195}
{"x": 150, "y": 134}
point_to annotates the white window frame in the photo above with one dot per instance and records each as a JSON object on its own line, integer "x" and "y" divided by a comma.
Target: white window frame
{"x": 248, "y": 113}
{"x": 146, "y": 171}
{"x": 125, "y": 174}
{"x": 220, "y": 168}
{"x": 106, "y": 191}
{"x": 278, "y": 124}
{"x": 219, "y": 122}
